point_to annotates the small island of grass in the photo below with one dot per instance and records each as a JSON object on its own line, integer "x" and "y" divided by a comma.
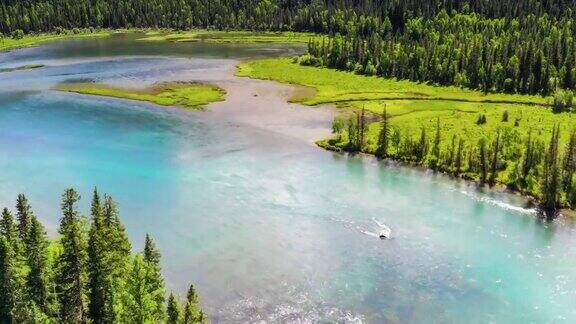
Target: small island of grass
{"x": 21, "y": 40}
{"x": 231, "y": 37}
{"x": 21, "y": 68}
{"x": 183, "y": 94}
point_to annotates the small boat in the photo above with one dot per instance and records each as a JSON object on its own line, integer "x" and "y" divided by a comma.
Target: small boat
{"x": 385, "y": 233}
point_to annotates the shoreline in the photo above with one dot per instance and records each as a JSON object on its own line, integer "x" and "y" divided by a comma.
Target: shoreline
{"x": 324, "y": 143}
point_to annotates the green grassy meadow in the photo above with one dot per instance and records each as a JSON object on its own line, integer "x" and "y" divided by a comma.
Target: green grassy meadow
{"x": 184, "y": 94}
{"x": 411, "y": 105}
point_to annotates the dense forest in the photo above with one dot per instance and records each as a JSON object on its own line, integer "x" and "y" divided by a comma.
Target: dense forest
{"x": 87, "y": 274}
{"x": 511, "y": 46}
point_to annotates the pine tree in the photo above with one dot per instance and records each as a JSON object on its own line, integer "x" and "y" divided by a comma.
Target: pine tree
{"x": 13, "y": 301}
{"x": 422, "y": 148}
{"x": 72, "y": 269}
{"x": 551, "y": 181}
{"x": 458, "y": 162}
{"x": 173, "y": 310}
{"x": 494, "y": 166}
{"x": 8, "y": 287}
{"x": 39, "y": 280}
{"x": 154, "y": 276}
{"x": 192, "y": 311}
{"x": 98, "y": 271}
{"x": 23, "y": 215}
{"x": 361, "y": 130}
{"x": 483, "y": 164}
{"x": 528, "y": 159}
{"x": 109, "y": 255}
{"x": 139, "y": 298}
{"x": 436, "y": 146}
{"x": 383, "y": 136}
{"x": 569, "y": 165}
{"x": 9, "y": 230}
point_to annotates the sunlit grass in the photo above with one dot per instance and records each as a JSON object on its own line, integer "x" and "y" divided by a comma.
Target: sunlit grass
{"x": 231, "y": 37}
{"x": 415, "y": 105}
{"x": 184, "y": 94}
{"x": 7, "y": 43}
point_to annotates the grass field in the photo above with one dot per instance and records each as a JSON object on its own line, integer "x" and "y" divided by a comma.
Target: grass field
{"x": 230, "y": 37}
{"x": 8, "y": 43}
{"x": 412, "y": 106}
{"x": 183, "y": 94}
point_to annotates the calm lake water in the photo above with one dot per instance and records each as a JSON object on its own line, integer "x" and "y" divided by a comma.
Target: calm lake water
{"x": 269, "y": 227}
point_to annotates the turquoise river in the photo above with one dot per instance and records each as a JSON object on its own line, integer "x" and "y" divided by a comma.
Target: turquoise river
{"x": 269, "y": 227}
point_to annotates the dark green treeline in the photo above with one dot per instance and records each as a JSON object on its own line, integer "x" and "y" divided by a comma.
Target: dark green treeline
{"x": 87, "y": 275}
{"x": 530, "y": 55}
{"x": 516, "y": 46}
{"x": 323, "y": 16}
{"x": 545, "y": 170}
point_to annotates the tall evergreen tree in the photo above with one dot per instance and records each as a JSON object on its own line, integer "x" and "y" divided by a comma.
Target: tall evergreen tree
{"x": 9, "y": 230}
{"x": 154, "y": 276}
{"x": 23, "y": 215}
{"x": 39, "y": 280}
{"x": 173, "y": 310}
{"x": 436, "y": 146}
{"x": 98, "y": 270}
{"x": 495, "y": 154}
{"x": 140, "y": 297}
{"x": 482, "y": 156}
{"x": 569, "y": 165}
{"x": 192, "y": 311}
{"x": 383, "y": 136}
{"x": 551, "y": 180}
{"x": 72, "y": 268}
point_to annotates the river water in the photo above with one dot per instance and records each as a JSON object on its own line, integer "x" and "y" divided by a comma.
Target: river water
{"x": 266, "y": 225}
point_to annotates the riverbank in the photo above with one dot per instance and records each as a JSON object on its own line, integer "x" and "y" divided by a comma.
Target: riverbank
{"x": 421, "y": 115}
{"x": 28, "y": 40}
{"x": 189, "y": 95}
{"x": 243, "y": 37}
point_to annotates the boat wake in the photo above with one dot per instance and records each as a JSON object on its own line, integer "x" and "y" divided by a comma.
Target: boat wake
{"x": 499, "y": 203}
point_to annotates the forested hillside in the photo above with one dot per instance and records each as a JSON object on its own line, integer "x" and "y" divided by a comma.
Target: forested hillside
{"x": 314, "y": 15}
{"x": 505, "y": 46}
{"x": 88, "y": 274}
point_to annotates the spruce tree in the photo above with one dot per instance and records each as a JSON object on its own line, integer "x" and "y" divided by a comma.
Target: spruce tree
{"x": 383, "y": 136}
{"x": 9, "y": 230}
{"x": 154, "y": 276}
{"x": 192, "y": 310}
{"x": 436, "y": 146}
{"x": 23, "y": 215}
{"x": 39, "y": 281}
{"x": 14, "y": 307}
{"x": 494, "y": 165}
{"x": 72, "y": 269}
{"x": 139, "y": 298}
{"x": 482, "y": 156}
{"x": 458, "y": 162}
{"x": 98, "y": 272}
{"x": 173, "y": 310}
{"x": 551, "y": 181}
{"x": 109, "y": 255}
{"x": 569, "y": 165}
{"x": 8, "y": 287}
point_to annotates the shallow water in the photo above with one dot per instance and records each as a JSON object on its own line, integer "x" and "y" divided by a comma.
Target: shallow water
{"x": 269, "y": 227}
